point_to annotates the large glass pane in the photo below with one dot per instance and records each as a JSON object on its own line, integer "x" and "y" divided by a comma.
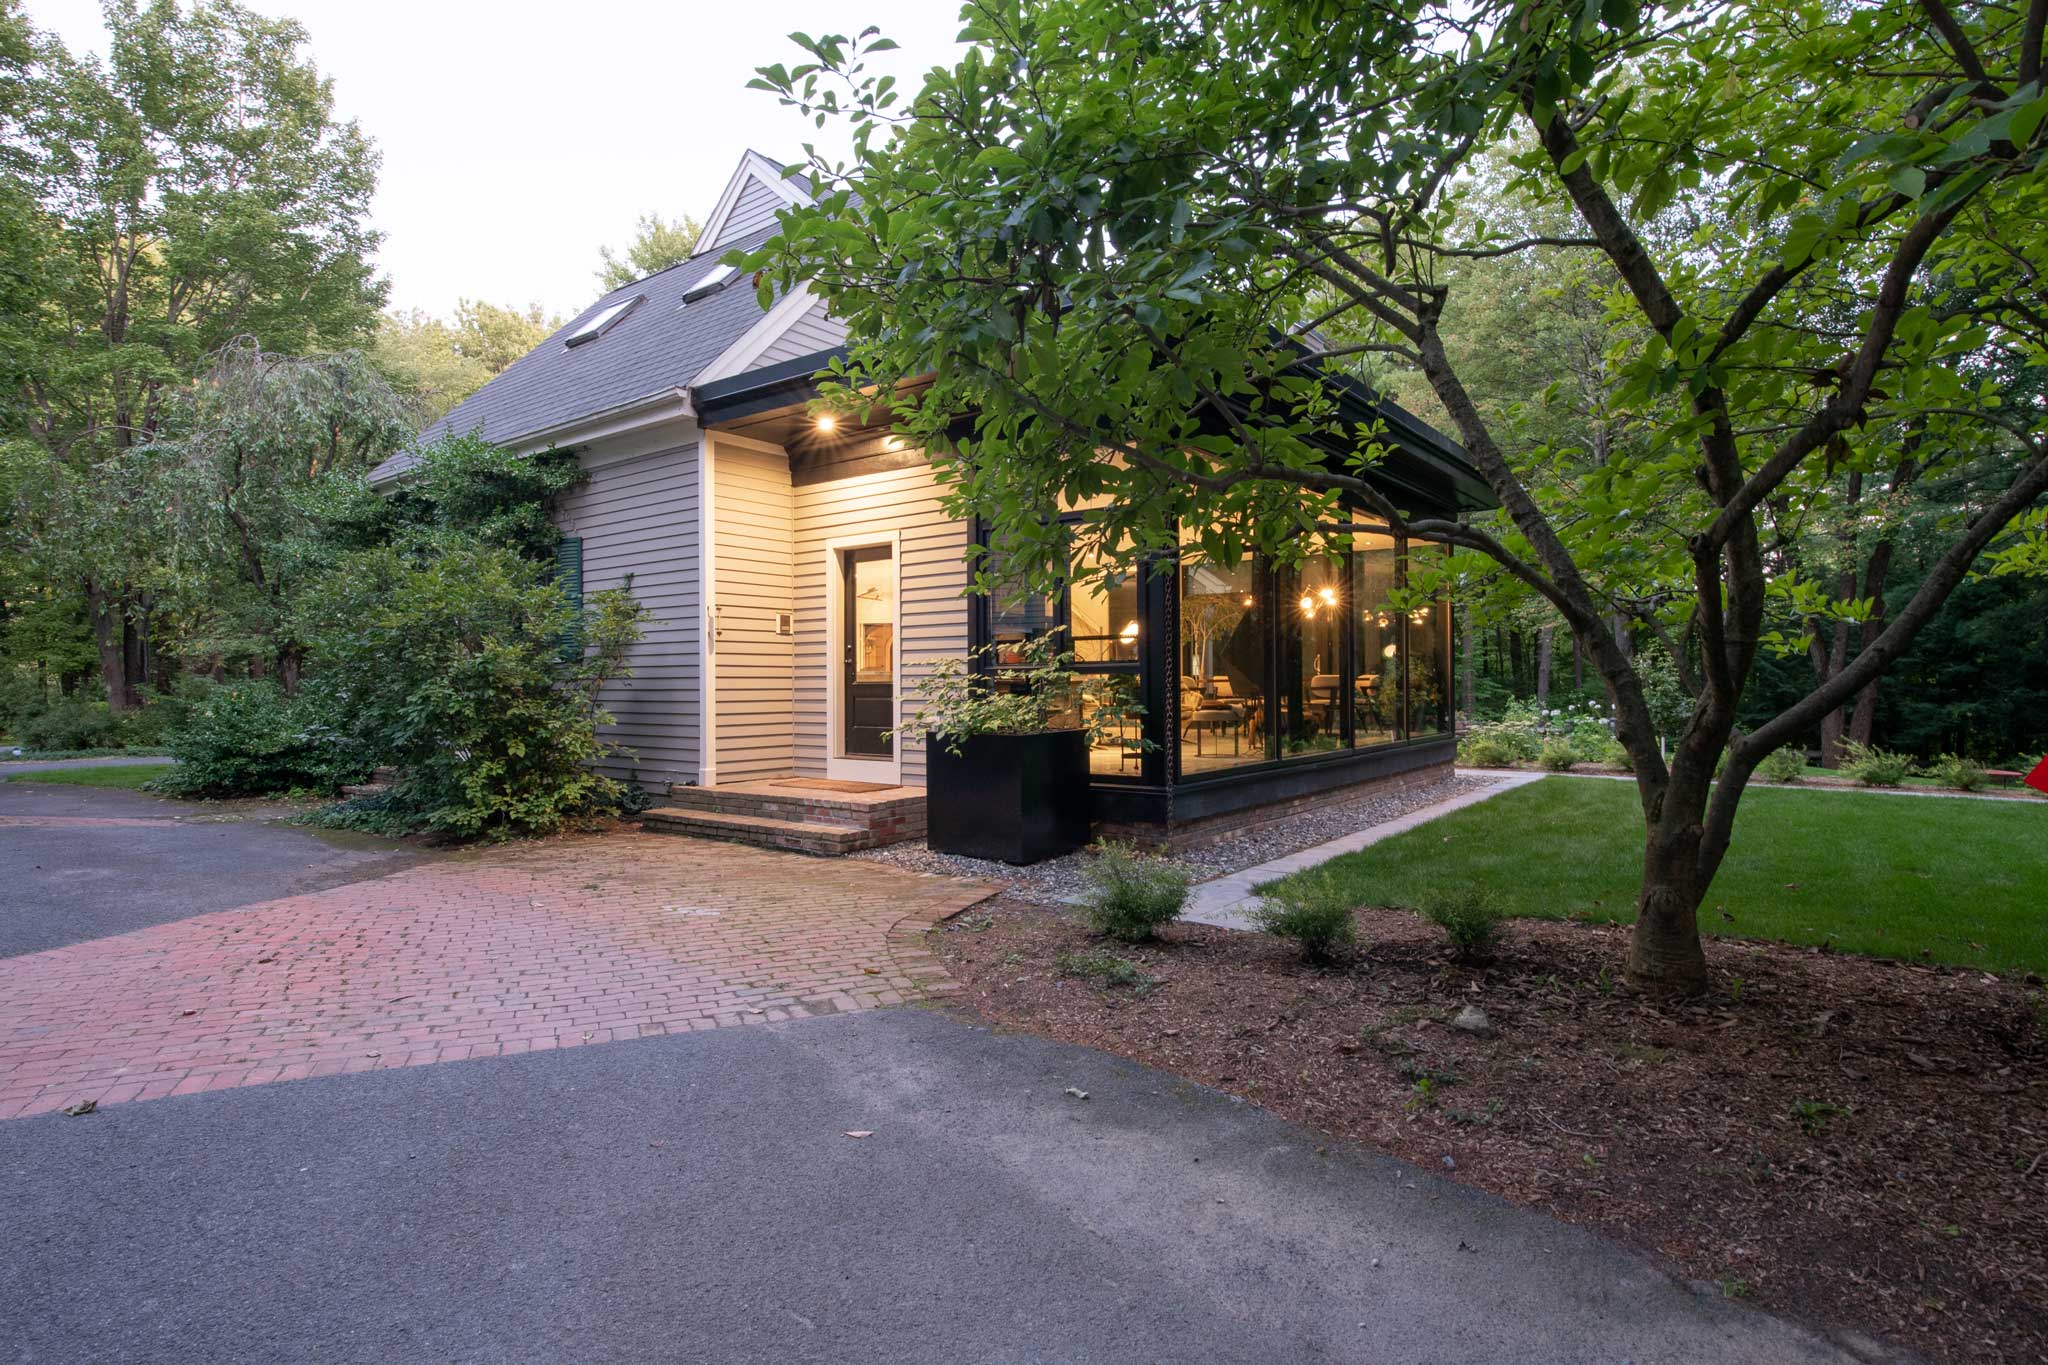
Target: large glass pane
{"x": 1103, "y": 612}
{"x": 1222, "y": 662}
{"x": 1376, "y": 658}
{"x": 1309, "y": 696}
{"x": 1429, "y": 661}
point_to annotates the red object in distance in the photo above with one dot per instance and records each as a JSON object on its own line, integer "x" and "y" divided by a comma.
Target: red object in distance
{"x": 2038, "y": 779}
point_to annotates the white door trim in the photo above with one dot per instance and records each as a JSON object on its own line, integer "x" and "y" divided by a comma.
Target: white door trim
{"x": 707, "y": 600}
{"x": 837, "y": 765}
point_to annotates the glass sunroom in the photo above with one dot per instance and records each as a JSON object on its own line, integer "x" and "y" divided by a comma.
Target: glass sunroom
{"x": 1254, "y": 682}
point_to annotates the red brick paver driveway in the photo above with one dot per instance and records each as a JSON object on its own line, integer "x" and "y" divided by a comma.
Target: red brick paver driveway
{"x": 509, "y": 950}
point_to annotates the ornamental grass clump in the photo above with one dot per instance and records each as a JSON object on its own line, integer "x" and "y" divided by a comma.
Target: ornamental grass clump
{"x": 1558, "y": 755}
{"x": 1132, "y": 896}
{"x": 1314, "y": 911}
{"x": 1783, "y": 765}
{"x": 1957, "y": 773}
{"x": 1875, "y": 767}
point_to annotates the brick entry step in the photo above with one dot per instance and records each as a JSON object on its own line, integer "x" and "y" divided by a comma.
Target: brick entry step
{"x": 793, "y": 815}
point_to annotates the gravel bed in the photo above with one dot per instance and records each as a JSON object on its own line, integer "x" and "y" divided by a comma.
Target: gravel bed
{"x": 1059, "y": 881}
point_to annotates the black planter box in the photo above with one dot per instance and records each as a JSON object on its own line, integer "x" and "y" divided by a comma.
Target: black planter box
{"x": 1011, "y": 798}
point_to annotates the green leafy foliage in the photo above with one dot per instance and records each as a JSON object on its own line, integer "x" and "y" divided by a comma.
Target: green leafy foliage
{"x": 1312, "y": 910}
{"x": 191, "y": 187}
{"x": 1469, "y": 915}
{"x": 657, "y": 244}
{"x": 1039, "y": 692}
{"x": 1131, "y": 896}
{"x": 70, "y": 723}
{"x": 1791, "y": 245}
{"x": 1783, "y": 765}
{"x": 1956, "y": 772}
{"x": 449, "y": 669}
{"x": 1558, "y": 756}
{"x": 250, "y": 739}
{"x": 1875, "y": 767}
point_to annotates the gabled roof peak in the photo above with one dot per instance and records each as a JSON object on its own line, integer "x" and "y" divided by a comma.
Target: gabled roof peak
{"x": 754, "y": 169}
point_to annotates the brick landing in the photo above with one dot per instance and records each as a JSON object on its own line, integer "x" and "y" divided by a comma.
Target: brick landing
{"x": 483, "y": 954}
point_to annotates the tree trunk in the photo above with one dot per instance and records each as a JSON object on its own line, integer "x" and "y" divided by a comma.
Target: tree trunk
{"x": 1515, "y": 659}
{"x": 1546, "y": 653}
{"x": 1578, "y": 667}
{"x": 134, "y": 650}
{"x": 1664, "y": 953}
{"x": 290, "y": 661}
{"x": 111, "y": 633}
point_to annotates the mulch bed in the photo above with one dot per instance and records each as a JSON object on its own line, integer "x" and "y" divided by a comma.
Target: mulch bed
{"x": 1860, "y": 1143}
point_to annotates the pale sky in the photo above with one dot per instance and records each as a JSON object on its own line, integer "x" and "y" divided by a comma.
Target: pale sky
{"x": 517, "y": 138}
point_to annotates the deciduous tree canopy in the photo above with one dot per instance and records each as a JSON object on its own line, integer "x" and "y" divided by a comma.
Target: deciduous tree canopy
{"x": 1817, "y": 224}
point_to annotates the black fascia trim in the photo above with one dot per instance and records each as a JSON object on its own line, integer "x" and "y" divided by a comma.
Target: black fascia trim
{"x": 720, "y": 396}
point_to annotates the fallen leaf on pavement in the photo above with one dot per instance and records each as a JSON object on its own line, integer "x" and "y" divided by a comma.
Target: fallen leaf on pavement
{"x": 860, "y": 1132}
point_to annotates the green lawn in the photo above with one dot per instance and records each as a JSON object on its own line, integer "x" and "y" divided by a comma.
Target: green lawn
{"x": 1964, "y": 881}
{"x": 130, "y": 776}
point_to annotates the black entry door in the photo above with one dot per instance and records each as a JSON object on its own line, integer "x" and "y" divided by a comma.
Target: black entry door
{"x": 868, "y": 676}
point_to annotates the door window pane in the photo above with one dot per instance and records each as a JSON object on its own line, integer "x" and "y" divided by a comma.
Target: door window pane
{"x": 1222, "y": 663}
{"x": 869, "y": 700}
{"x": 1376, "y": 659}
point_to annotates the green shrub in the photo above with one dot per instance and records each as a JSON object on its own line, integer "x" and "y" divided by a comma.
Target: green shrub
{"x": 1589, "y": 737}
{"x": 1956, "y": 772}
{"x": 1485, "y": 751}
{"x": 1783, "y": 765}
{"x": 70, "y": 723}
{"x": 1312, "y": 909}
{"x": 1470, "y": 917}
{"x": 1558, "y": 755}
{"x": 1514, "y": 738}
{"x": 249, "y": 739}
{"x": 1875, "y": 767}
{"x": 1130, "y": 895}
{"x": 450, "y": 668}
{"x": 1614, "y": 754}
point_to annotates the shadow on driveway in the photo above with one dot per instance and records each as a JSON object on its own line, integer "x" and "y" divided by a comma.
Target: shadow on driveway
{"x": 80, "y": 863}
{"x": 700, "y": 1198}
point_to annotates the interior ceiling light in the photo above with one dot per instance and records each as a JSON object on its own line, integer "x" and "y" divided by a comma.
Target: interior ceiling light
{"x": 1129, "y": 633}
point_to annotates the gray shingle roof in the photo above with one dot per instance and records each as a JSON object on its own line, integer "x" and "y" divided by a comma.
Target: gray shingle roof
{"x": 656, "y": 347}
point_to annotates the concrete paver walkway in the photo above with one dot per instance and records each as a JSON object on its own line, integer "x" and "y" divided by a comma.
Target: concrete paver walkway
{"x": 504, "y": 951}
{"x": 1229, "y": 901}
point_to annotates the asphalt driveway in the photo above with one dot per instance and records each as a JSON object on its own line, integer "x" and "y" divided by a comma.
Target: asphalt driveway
{"x": 79, "y": 863}
{"x": 698, "y": 1194}
{"x": 698, "y": 1198}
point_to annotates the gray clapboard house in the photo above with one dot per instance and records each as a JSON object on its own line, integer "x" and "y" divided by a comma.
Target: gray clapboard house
{"x": 804, "y": 578}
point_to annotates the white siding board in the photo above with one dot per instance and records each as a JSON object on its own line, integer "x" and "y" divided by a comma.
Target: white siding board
{"x": 639, "y": 517}
{"x": 932, "y": 573}
{"x": 753, "y": 665}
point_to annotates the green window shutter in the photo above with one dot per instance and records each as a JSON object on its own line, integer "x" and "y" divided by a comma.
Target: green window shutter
{"x": 568, "y": 576}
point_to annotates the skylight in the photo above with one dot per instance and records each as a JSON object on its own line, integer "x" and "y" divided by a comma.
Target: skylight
{"x": 602, "y": 321}
{"x": 710, "y": 284}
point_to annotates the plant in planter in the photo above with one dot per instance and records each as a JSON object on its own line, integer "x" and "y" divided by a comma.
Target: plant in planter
{"x": 1006, "y": 764}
